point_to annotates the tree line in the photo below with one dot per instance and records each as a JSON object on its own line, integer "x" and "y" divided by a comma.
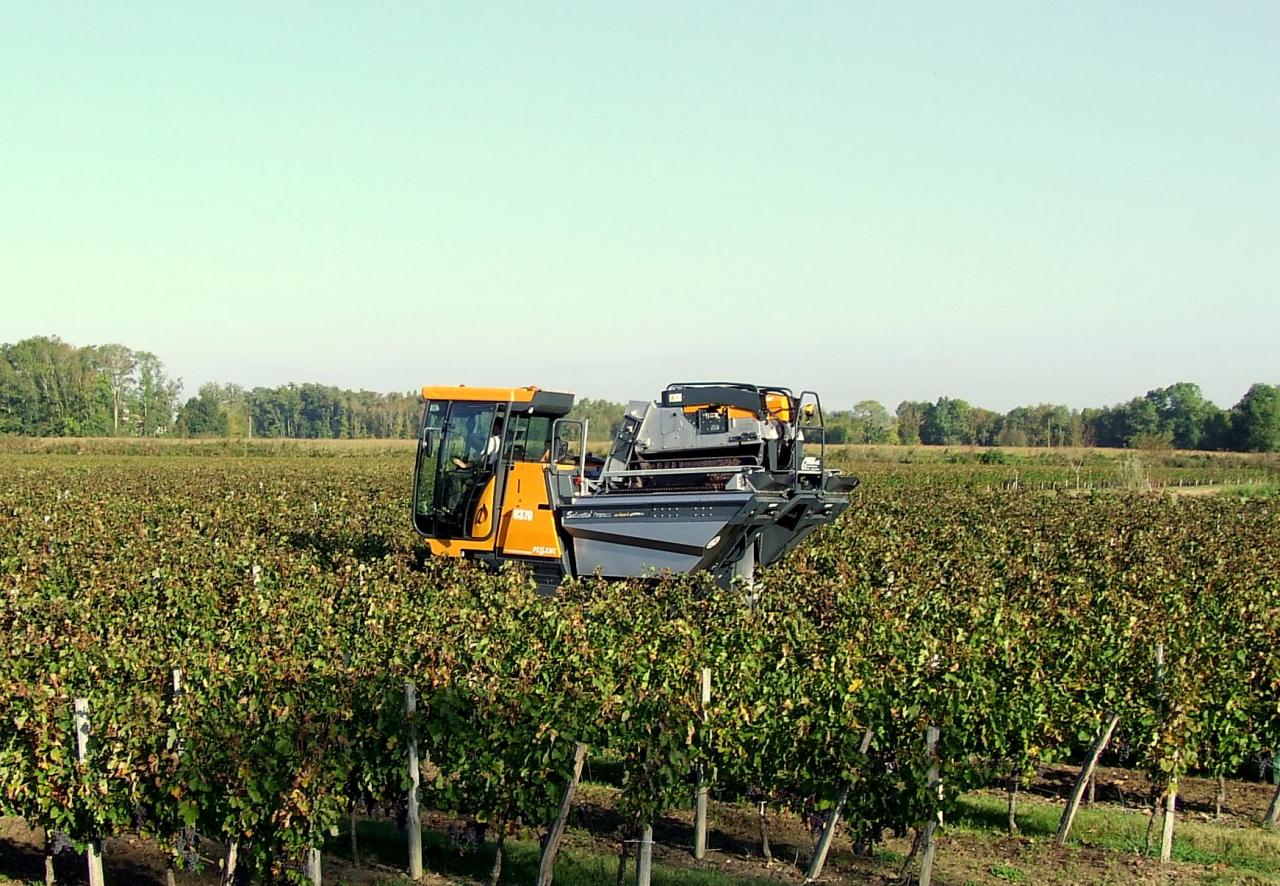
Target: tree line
{"x": 307, "y": 411}
{"x": 1176, "y": 417}
{"x": 51, "y": 388}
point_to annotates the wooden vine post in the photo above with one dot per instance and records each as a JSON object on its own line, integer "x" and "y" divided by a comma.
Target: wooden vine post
{"x": 414, "y": 819}
{"x": 351, "y": 828}
{"x": 1170, "y": 812}
{"x": 819, "y": 860}
{"x": 311, "y": 869}
{"x": 935, "y": 789}
{"x": 229, "y": 864}
{"x": 1170, "y": 799}
{"x": 1084, "y": 778}
{"x": 1272, "y": 818}
{"x": 700, "y": 801}
{"x": 547, "y": 869}
{"x": 94, "y": 851}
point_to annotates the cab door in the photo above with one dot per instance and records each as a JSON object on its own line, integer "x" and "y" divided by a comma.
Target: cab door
{"x": 528, "y": 526}
{"x": 459, "y": 475}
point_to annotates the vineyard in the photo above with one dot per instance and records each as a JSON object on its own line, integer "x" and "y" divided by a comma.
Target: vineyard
{"x": 242, "y": 632}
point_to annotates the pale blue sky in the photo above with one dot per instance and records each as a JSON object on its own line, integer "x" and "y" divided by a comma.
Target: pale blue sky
{"x": 1007, "y": 202}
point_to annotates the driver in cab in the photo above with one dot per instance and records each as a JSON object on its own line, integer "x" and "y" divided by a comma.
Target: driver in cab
{"x": 489, "y": 454}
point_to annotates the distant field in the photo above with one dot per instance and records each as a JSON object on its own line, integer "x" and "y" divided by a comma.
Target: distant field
{"x": 1062, "y": 469}
{"x": 273, "y": 447}
{"x": 1054, "y": 454}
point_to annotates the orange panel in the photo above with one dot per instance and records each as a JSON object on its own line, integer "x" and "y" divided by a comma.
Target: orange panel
{"x": 482, "y": 519}
{"x": 462, "y": 392}
{"x": 778, "y": 406}
{"x": 456, "y": 547}
{"x": 528, "y": 526}
{"x": 734, "y": 411}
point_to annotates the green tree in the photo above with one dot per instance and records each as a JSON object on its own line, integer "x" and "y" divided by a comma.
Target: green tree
{"x": 986, "y": 426}
{"x": 1184, "y": 414}
{"x": 202, "y": 416}
{"x": 154, "y": 397}
{"x": 1255, "y": 420}
{"x": 910, "y": 415}
{"x": 872, "y": 423}
{"x": 49, "y": 388}
{"x": 115, "y": 363}
{"x": 836, "y": 428}
{"x": 1217, "y": 431}
{"x": 603, "y": 417}
{"x": 1141, "y": 424}
{"x": 948, "y": 423}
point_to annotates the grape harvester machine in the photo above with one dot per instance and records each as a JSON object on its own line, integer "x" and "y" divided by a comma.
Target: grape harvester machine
{"x": 716, "y": 476}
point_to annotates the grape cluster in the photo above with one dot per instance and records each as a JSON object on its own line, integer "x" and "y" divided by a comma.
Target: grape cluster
{"x": 186, "y": 847}
{"x": 466, "y": 836}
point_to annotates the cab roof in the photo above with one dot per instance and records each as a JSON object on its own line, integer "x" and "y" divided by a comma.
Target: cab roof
{"x": 558, "y": 402}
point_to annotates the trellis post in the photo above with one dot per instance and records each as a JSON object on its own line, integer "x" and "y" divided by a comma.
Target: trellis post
{"x": 414, "y": 819}
{"x": 94, "y": 852}
{"x": 700, "y": 803}
{"x": 932, "y": 735}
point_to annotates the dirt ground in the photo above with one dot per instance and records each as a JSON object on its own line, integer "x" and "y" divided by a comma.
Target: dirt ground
{"x": 964, "y": 856}
{"x": 138, "y": 862}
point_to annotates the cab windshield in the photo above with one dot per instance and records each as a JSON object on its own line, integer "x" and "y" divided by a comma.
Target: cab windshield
{"x": 458, "y": 454}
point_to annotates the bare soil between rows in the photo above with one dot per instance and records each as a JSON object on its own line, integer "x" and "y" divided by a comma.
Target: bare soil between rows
{"x": 964, "y": 856}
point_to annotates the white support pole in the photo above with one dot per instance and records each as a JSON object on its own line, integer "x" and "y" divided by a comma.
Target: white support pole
{"x": 312, "y": 871}
{"x": 700, "y": 804}
{"x": 175, "y": 676}
{"x": 82, "y": 754}
{"x": 644, "y": 859}
{"x": 819, "y": 860}
{"x": 414, "y": 820}
{"x": 745, "y": 569}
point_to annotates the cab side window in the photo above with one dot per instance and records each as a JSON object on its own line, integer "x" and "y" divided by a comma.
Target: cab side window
{"x": 530, "y": 438}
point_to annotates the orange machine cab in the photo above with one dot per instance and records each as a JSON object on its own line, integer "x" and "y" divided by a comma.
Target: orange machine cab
{"x": 483, "y": 468}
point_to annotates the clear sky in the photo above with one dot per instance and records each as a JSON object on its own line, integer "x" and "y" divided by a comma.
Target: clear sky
{"x": 1006, "y": 202}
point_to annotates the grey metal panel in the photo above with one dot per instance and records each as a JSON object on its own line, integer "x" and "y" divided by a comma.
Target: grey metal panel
{"x": 704, "y": 498}
{"x": 549, "y": 403}
{"x": 685, "y": 533}
{"x": 617, "y": 560}
{"x": 742, "y": 396}
{"x": 632, "y": 535}
{"x": 670, "y": 430}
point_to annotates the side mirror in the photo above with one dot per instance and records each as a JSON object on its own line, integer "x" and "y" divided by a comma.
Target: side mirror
{"x": 428, "y": 442}
{"x": 568, "y": 442}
